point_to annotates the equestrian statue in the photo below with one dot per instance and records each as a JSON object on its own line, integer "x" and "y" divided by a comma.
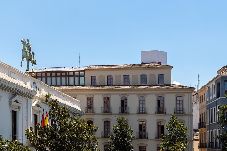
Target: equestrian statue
{"x": 27, "y": 53}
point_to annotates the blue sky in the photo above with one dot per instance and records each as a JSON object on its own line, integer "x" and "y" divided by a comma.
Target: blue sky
{"x": 194, "y": 33}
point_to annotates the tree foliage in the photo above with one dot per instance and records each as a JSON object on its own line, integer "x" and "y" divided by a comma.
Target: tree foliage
{"x": 121, "y": 139}
{"x": 176, "y": 138}
{"x": 66, "y": 133}
{"x": 223, "y": 123}
{"x": 6, "y": 145}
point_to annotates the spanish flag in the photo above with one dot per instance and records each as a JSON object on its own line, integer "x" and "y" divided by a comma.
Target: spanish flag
{"x": 46, "y": 119}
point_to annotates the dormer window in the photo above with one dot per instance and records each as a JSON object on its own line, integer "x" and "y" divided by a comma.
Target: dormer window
{"x": 109, "y": 80}
{"x": 93, "y": 80}
{"x": 143, "y": 79}
{"x": 126, "y": 80}
{"x": 161, "y": 79}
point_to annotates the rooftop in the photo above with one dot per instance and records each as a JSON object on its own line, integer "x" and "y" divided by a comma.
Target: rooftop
{"x": 149, "y": 65}
{"x": 172, "y": 86}
{"x": 222, "y": 71}
{"x": 91, "y": 67}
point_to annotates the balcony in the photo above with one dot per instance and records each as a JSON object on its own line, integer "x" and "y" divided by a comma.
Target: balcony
{"x": 106, "y": 110}
{"x": 89, "y": 110}
{"x": 202, "y": 145}
{"x": 123, "y": 110}
{"x": 142, "y": 110}
{"x": 142, "y": 135}
{"x": 179, "y": 111}
{"x": 160, "y": 110}
{"x": 105, "y": 134}
{"x": 201, "y": 125}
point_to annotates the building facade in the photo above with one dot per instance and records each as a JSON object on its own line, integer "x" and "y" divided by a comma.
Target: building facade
{"x": 215, "y": 95}
{"x": 22, "y": 102}
{"x": 142, "y": 93}
{"x": 195, "y": 107}
{"x": 202, "y": 119}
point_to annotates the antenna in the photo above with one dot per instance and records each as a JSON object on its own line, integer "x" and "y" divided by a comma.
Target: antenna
{"x": 198, "y": 83}
{"x": 79, "y": 60}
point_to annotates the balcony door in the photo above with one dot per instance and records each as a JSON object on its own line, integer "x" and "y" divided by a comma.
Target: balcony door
{"x": 123, "y": 107}
{"x": 142, "y": 129}
{"x": 106, "y": 104}
{"x": 160, "y": 104}
{"x": 160, "y": 129}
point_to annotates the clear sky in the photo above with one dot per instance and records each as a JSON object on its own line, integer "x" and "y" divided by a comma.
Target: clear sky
{"x": 193, "y": 32}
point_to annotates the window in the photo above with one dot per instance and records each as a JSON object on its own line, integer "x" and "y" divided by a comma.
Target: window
{"x": 53, "y": 81}
{"x": 161, "y": 79}
{"x": 106, "y": 129}
{"x": 214, "y": 115}
{"x": 225, "y": 87}
{"x": 35, "y": 116}
{"x": 160, "y": 105}
{"x": 49, "y": 81}
{"x": 106, "y": 104}
{"x": 211, "y": 116}
{"x": 93, "y": 80}
{"x": 142, "y": 130}
{"x": 160, "y": 129}
{"x": 109, "y": 80}
{"x": 124, "y": 107}
{"x": 143, "y": 79}
{"x": 142, "y": 108}
{"x": 14, "y": 125}
{"x": 126, "y": 80}
{"x": 58, "y": 81}
{"x": 179, "y": 105}
{"x": 142, "y": 148}
{"x": 81, "y": 78}
{"x": 217, "y": 115}
{"x": 90, "y": 108}
{"x": 218, "y": 90}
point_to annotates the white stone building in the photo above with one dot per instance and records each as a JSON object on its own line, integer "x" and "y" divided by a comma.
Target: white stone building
{"x": 142, "y": 93}
{"x": 22, "y": 102}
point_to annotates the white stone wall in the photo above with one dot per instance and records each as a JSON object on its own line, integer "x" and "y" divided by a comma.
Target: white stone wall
{"x": 22, "y": 93}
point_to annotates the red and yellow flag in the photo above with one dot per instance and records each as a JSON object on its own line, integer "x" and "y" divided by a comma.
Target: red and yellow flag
{"x": 46, "y": 119}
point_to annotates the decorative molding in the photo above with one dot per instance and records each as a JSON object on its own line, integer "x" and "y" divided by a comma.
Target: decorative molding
{"x": 16, "y": 89}
{"x": 15, "y": 103}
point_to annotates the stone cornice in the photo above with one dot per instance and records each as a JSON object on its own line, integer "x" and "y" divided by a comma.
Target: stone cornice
{"x": 16, "y": 89}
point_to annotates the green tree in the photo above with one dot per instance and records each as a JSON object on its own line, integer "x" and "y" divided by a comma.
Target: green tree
{"x": 122, "y": 137}
{"x": 66, "y": 133}
{"x": 6, "y": 145}
{"x": 176, "y": 138}
{"x": 223, "y": 123}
